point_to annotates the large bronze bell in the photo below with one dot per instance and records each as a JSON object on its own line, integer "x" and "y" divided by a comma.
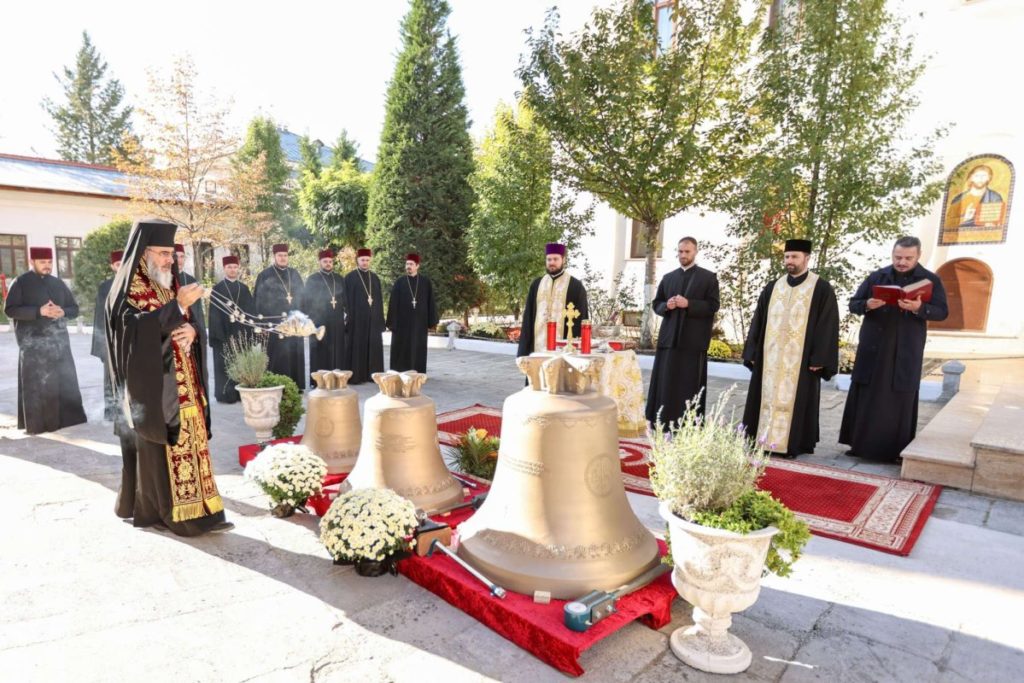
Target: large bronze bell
{"x": 557, "y": 518}
{"x": 332, "y": 420}
{"x": 400, "y": 450}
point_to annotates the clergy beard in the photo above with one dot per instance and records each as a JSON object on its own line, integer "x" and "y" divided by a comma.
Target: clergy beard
{"x": 555, "y": 273}
{"x": 164, "y": 278}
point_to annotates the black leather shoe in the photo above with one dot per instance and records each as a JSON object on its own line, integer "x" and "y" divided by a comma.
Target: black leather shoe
{"x": 221, "y": 527}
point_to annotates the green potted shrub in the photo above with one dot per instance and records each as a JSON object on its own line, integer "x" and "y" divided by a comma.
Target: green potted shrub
{"x": 246, "y": 364}
{"x": 724, "y": 533}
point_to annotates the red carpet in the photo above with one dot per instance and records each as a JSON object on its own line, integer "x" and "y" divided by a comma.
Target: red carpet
{"x": 870, "y": 510}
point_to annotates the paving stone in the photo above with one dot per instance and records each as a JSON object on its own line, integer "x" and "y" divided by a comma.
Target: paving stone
{"x": 1006, "y": 515}
{"x": 849, "y": 658}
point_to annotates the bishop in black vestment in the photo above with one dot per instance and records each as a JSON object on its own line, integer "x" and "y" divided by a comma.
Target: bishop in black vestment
{"x": 278, "y": 291}
{"x": 223, "y": 329}
{"x": 547, "y": 298}
{"x": 880, "y": 417}
{"x": 157, "y": 364}
{"x": 99, "y": 335}
{"x": 365, "y": 323}
{"x": 792, "y": 345}
{"x": 687, "y": 299}
{"x": 324, "y": 302}
{"x": 39, "y": 305}
{"x": 412, "y": 312}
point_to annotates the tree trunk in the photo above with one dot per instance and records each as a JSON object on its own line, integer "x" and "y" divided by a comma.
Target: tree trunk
{"x": 650, "y": 267}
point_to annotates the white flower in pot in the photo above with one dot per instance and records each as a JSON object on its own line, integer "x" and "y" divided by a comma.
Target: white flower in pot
{"x": 246, "y": 363}
{"x": 724, "y": 534}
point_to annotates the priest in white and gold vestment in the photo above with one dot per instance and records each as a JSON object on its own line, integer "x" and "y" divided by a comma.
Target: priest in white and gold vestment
{"x": 548, "y": 297}
{"x": 793, "y": 345}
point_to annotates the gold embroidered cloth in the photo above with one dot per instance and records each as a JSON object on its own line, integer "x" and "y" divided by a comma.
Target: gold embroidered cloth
{"x": 550, "y": 304}
{"x": 788, "y": 311}
{"x": 193, "y": 490}
{"x": 622, "y": 382}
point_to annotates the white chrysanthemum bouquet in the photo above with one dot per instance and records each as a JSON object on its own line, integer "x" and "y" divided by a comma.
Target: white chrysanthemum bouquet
{"x": 369, "y": 526}
{"x": 289, "y": 473}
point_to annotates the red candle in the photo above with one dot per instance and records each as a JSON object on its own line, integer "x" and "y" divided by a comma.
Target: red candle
{"x": 585, "y": 337}
{"x": 552, "y": 331}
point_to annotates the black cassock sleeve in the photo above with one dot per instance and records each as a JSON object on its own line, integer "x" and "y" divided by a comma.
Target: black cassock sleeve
{"x": 432, "y": 318}
{"x": 16, "y": 308}
{"x": 99, "y": 322}
{"x": 824, "y": 332}
{"x": 755, "y": 335}
{"x": 529, "y": 316}
{"x": 392, "y": 315}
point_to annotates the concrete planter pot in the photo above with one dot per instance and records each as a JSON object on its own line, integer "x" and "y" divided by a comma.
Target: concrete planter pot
{"x": 261, "y": 409}
{"x": 718, "y": 572}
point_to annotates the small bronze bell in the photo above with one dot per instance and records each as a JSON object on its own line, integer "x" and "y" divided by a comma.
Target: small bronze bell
{"x": 557, "y": 518}
{"x": 400, "y": 450}
{"x": 332, "y": 421}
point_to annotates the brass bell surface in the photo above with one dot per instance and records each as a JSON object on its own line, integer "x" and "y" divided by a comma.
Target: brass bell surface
{"x": 399, "y": 445}
{"x": 557, "y": 518}
{"x": 333, "y": 429}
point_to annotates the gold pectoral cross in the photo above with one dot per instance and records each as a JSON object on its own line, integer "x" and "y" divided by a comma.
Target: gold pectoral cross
{"x": 289, "y": 297}
{"x": 369, "y": 300}
{"x": 569, "y": 314}
{"x": 334, "y": 302}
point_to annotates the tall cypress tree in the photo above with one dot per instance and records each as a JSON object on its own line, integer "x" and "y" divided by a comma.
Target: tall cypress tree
{"x": 421, "y": 199}
{"x": 91, "y": 124}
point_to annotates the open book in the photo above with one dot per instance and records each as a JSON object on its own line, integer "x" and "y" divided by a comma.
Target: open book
{"x": 890, "y": 294}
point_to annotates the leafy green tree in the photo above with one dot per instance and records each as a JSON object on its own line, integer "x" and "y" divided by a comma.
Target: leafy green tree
{"x": 345, "y": 149}
{"x": 333, "y": 206}
{"x": 833, "y": 91}
{"x": 92, "y": 262}
{"x": 309, "y": 158}
{"x": 261, "y": 159}
{"x": 421, "y": 198}
{"x": 92, "y": 122}
{"x": 644, "y": 127}
{"x": 518, "y": 211}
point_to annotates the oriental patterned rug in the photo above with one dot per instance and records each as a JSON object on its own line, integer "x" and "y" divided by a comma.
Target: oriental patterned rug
{"x": 869, "y": 510}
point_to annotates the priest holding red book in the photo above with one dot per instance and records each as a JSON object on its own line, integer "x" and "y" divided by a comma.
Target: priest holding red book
{"x": 880, "y": 418}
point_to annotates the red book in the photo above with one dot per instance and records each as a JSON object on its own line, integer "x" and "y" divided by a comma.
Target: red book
{"x": 891, "y": 294}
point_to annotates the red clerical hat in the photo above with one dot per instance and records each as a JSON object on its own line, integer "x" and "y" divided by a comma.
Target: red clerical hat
{"x": 40, "y": 253}
{"x": 229, "y": 260}
{"x": 326, "y": 253}
{"x": 413, "y": 257}
{"x": 116, "y": 256}
{"x": 553, "y": 248}
{"x": 179, "y": 248}
{"x": 363, "y": 252}
{"x": 278, "y": 248}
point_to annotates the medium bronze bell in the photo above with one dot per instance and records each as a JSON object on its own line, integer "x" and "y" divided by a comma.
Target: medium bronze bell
{"x": 557, "y": 518}
{"x": 400, "y": 450}
{"x": 332, "y": 421}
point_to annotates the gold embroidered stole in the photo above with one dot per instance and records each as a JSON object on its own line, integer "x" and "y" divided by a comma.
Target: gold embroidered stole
{"x": 550, "y": 304}
{"x": 193, "y": 489}
{"x": 788, "y": 311}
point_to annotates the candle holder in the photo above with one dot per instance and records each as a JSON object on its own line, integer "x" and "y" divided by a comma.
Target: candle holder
{"x": 585, "y": 336}
{"x": 552, "y": 331}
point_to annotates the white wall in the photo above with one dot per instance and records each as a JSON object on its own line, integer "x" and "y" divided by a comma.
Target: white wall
{"x": 43, "y": 216}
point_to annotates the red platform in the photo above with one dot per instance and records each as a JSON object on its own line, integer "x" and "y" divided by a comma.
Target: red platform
{"x": 538, "y": 629}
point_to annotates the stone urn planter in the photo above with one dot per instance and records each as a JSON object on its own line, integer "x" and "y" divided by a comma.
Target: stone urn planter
{"x": 261, "y": 409}
{"x": 718, "y": 572}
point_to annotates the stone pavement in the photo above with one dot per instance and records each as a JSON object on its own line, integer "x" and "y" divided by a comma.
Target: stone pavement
{"x": 88, "y": 598}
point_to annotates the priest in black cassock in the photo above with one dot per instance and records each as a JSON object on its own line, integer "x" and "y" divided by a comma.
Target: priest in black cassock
{"x": 157, "y": 365}
{"x": 412, "y": 312}
{"x": 39, "y": 305}
{"x": 223, "y": 329}
{"x": 547, "y": 299}
{"x": 278, "y": 291}
{"x": 687, "y": 300}
{"x": 365, "y": 324}
{"x": 792, "y": 345}
{"x": 880, "y": 417}
{"x": 323, "y": 300}
{"x": 99, "y": 335}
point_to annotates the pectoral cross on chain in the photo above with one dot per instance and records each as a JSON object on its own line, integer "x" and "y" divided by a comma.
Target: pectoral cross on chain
{"x": 334, "y": 302}
{"x": 569, "y": 314}
{"x": 289, "y": 297}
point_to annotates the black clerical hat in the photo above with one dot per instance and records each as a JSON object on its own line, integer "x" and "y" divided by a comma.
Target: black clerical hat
{"x": 157, "y": 233}
{"x": 798, "y": 245}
